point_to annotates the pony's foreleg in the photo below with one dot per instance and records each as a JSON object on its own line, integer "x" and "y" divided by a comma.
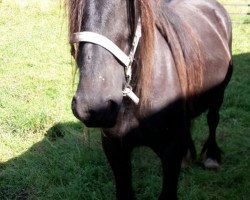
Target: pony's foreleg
{"x": 171, "y": 155}
{"x": 189, "y": 151}
{"x": 119, "y": 160}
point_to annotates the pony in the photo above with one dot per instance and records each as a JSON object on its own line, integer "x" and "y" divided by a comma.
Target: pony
{"x": 147, "y": 69}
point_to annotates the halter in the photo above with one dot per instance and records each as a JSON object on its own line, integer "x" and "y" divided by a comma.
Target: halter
{"x": 106, "y": 43}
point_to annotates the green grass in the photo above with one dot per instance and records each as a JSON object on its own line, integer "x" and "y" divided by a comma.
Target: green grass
{"x": 45, "y": 153}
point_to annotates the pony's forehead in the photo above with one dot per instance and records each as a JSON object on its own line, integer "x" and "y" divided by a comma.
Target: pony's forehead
{"x": 78, "y": 9}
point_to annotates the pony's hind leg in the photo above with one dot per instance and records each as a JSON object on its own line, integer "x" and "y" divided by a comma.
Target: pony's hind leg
{"x": 211, "y": 153}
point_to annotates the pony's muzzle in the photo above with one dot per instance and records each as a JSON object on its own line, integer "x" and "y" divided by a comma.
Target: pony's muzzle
{"x": 95, "y": 113}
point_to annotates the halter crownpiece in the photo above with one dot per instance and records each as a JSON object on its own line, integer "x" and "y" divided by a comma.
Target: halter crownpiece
{"x": 106, "y": 43}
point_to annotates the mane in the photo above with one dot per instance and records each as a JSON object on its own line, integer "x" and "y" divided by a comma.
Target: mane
{"x": 182, "y": 41}
{"x": 185, "y": 47}
{"x": 146, "y": 55}
{"x": 74, "y": 9}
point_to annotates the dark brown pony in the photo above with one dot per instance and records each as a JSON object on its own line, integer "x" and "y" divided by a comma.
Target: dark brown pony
{"x": 180, "y": 70}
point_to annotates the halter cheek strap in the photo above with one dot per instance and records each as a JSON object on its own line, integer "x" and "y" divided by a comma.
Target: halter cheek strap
{"x": 106, "y": 43}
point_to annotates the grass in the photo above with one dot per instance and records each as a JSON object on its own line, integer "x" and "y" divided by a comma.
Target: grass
{"x": 45, "y": 153}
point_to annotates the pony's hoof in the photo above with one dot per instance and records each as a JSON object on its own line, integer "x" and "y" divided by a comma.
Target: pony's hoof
{"x": 186, "y": 160}
{"x": 211, "y": 164}
{"x": 185, "y": 164}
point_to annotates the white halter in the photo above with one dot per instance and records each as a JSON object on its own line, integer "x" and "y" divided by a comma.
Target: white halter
{"x": 106, "y": 43}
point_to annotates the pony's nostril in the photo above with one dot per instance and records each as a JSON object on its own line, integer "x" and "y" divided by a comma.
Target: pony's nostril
{"x": 111, "y": 107}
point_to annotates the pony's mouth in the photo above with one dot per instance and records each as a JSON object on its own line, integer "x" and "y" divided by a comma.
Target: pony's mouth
{"x": 100, "y": 124}
{"x": 105, "y": 122}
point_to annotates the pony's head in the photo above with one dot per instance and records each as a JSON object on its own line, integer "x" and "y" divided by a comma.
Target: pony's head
{"x": 103, "y": 78}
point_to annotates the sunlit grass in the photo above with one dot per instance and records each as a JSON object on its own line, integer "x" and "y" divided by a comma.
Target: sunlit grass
{"x": 35, "y": 71}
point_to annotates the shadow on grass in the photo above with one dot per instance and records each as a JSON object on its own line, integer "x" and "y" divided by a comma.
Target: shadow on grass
{"x": 69, "y": 162}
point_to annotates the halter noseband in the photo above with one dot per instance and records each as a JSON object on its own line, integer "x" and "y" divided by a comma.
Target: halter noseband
{"x": 106, "y": 43}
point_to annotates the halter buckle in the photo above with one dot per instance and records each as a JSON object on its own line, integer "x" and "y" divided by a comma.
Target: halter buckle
{"x": 127, "y": 92}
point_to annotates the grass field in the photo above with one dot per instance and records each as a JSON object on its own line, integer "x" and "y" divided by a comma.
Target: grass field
{"x": 45, "y": 153}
